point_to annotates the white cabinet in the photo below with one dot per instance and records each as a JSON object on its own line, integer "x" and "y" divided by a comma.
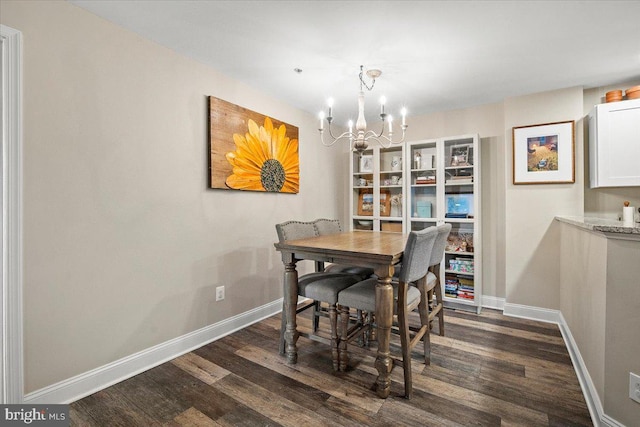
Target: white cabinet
{"x": 377, "y": 182}
{"x": 444, "y": 186}
{"x": 437, "y": 181}
{"x": 614, "y": 144}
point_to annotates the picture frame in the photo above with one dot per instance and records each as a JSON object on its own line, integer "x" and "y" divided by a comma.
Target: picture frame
{"x": 544, "y": 153}
{"x": 385, "y": 203}
{"x": 461, "y": 155}
{"x": 365, "y": 202}
{"x": 366, "y": 163}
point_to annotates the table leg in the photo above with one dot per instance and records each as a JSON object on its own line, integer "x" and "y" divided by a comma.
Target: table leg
{"x": 384, "y": 320}
{"x": 289, "y": 310}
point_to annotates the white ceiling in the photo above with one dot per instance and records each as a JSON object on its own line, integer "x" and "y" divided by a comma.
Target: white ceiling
{"x": 434, "y": 55}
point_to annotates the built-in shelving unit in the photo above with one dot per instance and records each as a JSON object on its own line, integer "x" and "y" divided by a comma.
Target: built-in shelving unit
{"x": 377, "y": 194}
{"x": 437, "y": 181}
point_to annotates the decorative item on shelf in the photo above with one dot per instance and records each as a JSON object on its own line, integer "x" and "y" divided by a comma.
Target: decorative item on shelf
{"x": 460, "y": 155}
{"x": 385, "y": 203}
{"x": 632, "y": 92}
{"x": 366, "y": 163}
{"x": 365, "y": 203}
{"x": 396, "y": 163}
{"x": 395, "y": 180}
{"x": 417, "y": 160}
{"x": 613, "y": 96}
{"x": 361, "y": 182}
{"x": 460, "y": 242}
{"x": 395, "y": 227}
{"x": 359, "y": 140}
{"x": 396, "y": 205}
{"x": 423, "y": 209}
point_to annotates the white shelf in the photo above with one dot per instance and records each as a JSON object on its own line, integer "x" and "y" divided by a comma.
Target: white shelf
{"x": 459, "y": 273}
{"x": 458, "y": 253}
{"x": 460, "y": 220}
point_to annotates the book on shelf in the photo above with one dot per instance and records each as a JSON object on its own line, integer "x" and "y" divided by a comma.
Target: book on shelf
{"x": 459, "y": 179}
{"x": 456, "y": 215}
{"x": 429, "y": 179}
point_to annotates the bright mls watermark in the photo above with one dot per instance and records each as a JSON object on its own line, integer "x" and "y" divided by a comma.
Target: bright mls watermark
{"x": 35, "y": 415}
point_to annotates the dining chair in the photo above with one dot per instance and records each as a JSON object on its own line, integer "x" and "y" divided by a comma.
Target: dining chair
{"x": 433, "y": 288}
{"x": 362, "y": 296}
{"x": 319, "y": 286}
{"x": 332, "y": 226}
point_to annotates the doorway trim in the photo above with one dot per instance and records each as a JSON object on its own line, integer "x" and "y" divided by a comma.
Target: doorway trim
{"x": 11, "y": 333}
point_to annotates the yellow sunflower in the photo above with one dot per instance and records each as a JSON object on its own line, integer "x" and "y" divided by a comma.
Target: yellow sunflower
{"x": 264, "y": 160}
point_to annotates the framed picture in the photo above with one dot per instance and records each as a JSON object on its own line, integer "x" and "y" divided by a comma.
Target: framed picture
{"x": 365, "y": 203}
{"x": 250, "y": 151}
{"x": 385, "y": 203}
{"x": 544, "y": 154}
{"x": 366, "y": 163}
{"x": 461, "y": 155}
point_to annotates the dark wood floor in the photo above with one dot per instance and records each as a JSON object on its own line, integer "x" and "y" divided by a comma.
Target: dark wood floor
{"x": 489, "y": 370}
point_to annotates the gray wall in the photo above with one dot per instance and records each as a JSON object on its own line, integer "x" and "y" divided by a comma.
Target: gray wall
{"x": 123, "y": 241}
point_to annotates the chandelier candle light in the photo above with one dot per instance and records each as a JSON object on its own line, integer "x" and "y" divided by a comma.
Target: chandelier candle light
{"x": 359, "y": 140}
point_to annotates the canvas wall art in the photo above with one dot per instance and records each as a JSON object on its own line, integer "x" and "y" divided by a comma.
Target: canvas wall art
{"x": 250, "y": 151}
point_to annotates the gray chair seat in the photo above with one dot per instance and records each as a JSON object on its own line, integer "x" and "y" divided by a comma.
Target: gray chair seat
{"x": 325, "y": 286}
{"x": 363, "y": 295}
{"x": 362, "y": 272}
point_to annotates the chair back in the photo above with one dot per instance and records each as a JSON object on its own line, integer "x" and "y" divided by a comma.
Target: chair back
{"x": 327, "y": 226}
{"x": 293, "y": 230}
{"x": 417, "y": 254}
{"x": 440, "y": 244}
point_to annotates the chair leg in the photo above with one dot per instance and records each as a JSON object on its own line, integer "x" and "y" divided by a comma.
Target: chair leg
{"x": 316, "y": 316}
{"x": 405, "y": 339}
{"x": 333, "y": 320}
{"x": 343, "y": 356}
{"x": 440, "y": 302}
{"x": 423, "y": 310}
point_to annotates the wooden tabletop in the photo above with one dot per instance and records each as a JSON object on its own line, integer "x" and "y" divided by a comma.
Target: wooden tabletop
{"x": 374, "y": 246}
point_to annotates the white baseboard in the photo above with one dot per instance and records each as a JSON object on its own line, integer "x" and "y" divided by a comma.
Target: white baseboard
{"x": 533, "y": 313}
{"x": 591, "y": 397}
{"x": 82, "y": 385}
{"x": 493, "y": 302}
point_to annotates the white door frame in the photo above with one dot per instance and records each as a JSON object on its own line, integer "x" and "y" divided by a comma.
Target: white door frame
{"x": 11, "y": 343}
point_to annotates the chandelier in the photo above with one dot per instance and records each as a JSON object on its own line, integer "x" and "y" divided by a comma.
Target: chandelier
{"x": 359, "y": 140}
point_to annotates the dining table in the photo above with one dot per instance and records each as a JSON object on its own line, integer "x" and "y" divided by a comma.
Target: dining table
{"x": 379, "y": 250}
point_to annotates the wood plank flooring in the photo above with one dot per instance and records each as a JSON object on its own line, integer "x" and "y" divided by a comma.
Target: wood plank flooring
{"x": 489, "y": 370}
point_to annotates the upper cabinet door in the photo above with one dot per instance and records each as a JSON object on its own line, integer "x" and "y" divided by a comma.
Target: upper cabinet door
{"x": 614, "y": 144}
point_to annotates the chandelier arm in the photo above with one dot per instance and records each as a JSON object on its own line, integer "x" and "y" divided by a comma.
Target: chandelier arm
{"x": 343, "y": 135}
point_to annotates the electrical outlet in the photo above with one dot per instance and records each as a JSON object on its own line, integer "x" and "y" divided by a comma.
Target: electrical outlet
{"x": 219, "y": 293}
{"x": 634, "y": 387}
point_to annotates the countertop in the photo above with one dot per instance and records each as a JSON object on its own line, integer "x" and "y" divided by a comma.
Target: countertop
{"x": 600, "y": 224}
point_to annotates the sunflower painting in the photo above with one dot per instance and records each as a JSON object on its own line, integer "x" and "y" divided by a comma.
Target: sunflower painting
{"x": 250, "y": 151}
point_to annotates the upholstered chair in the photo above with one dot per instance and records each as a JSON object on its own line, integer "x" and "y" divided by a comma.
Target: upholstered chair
{"x": 319, "y": 286}
{"x": 433, "y": 286}
{"x": 362, "y": 296}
